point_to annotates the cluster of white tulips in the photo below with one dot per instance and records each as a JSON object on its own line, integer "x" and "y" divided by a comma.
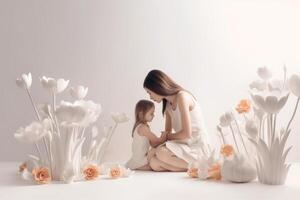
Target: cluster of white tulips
{"x": 258, "y": 127}
{"x": 59, "y": 132}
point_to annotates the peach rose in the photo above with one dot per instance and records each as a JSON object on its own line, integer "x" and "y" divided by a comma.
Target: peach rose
{"x": 41, "y": 175}
{"x": 227, "y": 150}
{"x": 215, "y": 171}
{"x": 22, "y": 167}
{"x": 193, "y": 172}
{"x": 91, "y": 172}
{"x": 115, "y": 172}
{"x": 243, "y": 106}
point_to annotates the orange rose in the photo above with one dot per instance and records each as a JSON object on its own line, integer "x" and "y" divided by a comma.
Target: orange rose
{"x": 193, "y": 172}
{"x": 91, "y": 172}
{"x": 115, "y": 172}
{"x": 215, "y": 171}
{"x": 41, "y": 175}
{"x": 243, "y": 106}
{"x": 227, "y": 150}
{"x": 22, "y": 167}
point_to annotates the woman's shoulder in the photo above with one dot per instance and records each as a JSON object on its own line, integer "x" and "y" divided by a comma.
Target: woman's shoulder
{"x": 186, "y": 98}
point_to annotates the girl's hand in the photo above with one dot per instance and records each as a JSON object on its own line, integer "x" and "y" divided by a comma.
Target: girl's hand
{"x": 164, "y": 136}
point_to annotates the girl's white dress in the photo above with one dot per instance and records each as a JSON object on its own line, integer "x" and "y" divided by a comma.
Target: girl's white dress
{"x": 140, "y": 148}
{"x": 198, "y": 145}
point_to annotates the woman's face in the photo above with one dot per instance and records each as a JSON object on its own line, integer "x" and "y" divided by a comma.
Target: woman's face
{"x": 153, "y": 96}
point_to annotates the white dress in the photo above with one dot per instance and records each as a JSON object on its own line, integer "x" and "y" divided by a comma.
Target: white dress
{"x": 198, "y": 145}
{"x": 140, "y": 148}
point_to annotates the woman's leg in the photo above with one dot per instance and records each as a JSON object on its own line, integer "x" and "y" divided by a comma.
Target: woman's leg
{"x": 145, "y": 168}
{"x": 158, "y": 165}
{"x": 151, "y": 153}
{"x": 166, "y": 156}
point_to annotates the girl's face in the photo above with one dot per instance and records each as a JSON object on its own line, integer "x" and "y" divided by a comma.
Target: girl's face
{"x": 153, "y": 96}
{"x": 149, "y": 115}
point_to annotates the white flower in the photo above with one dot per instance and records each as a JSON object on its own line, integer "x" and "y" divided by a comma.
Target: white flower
{"x": 226, "y": 119}
{"x": 81, "y": 113}
{"x": 294, "y": 85}
{"x": 258, "y": 85}
{"x": 70, "y": 114}
{"x": 34, "y": 132}
{"x": 25, "y": 81}
{"x": 251, "y": 128}
{"x": 44, "y": 110}
{"x": 277, "y": 85}
{"x": 78, "y": 92}
{"x": 54, "y": 86}
{"x": 93, "y": 111}
{"x": 271, "y": 103}
{"x": 119, "y": 117}
{"x": 264, "y": 73}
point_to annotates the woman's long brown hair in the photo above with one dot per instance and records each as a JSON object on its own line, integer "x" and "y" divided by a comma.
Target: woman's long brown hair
{"x": 160, "y": 83}
{"x": 141, "y": 108}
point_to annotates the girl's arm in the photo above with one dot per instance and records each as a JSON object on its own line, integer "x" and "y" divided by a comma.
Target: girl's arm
{"x": 144, "y": 130}
{"x": 186, "y": 131}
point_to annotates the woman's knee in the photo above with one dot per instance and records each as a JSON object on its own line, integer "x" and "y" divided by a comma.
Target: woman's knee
{"x": 163, "y": 153}
{"x": 154, "y": 164}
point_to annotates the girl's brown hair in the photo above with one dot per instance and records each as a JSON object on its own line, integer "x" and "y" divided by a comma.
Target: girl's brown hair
{"x": 160, "y": 83}
{"x": 141, "y": 108}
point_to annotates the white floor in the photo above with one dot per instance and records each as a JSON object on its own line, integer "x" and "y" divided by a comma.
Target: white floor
{"x": 144, "y": 186}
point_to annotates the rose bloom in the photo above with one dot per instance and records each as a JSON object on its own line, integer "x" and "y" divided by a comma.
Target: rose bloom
{"x": 22, "y": 167}
{"x": 115, "y": 172}
{"x": 41, "y": 175}
{"x": 243, "y": 106}
{"x": 227, "y": 150}
{"x": 91, "y": 172}
{"x": 215, "y": 171}
{"x": 193, "y": 172}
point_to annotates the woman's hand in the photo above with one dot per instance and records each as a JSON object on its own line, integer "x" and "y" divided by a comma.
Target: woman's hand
{"x": 164, "y": 136}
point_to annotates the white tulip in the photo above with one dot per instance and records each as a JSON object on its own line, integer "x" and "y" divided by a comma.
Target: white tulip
{"x": 294, "y": 85}
{"x": 258, "y": 85}
{"x": 270, "y": 103}
{"x": 264, "y": 73}
{"x": 34, "y": 132}
{"x": 44, "y": 110}
{"x": 226, "y": 119}
{"x": 277, "y": 85}
{"x": 78, "y": 92}
{"x": 81, "y": 113}
{"x": 53, "y": 85}
{"x": 93, "y": 111}
{"x": 70, "y": 114}
{"x": 119, "y": 117}
{"x": 25, "y": 81}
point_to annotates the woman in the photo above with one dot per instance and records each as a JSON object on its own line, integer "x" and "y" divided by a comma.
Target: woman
{"x": 183, "y": 115}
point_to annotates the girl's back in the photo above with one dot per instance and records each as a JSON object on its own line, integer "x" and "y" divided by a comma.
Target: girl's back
{"x": 140, "y": 148}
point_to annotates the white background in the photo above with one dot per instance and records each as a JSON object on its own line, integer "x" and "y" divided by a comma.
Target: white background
{"x": 210, "y": 47}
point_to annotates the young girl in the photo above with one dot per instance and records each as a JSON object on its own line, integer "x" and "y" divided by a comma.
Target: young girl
{"x": 143, "y": 137}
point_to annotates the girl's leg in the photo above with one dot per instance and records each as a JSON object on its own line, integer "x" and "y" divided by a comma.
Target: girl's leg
{"x": 158, "y": 165}
{"x": 165, "y": 155}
